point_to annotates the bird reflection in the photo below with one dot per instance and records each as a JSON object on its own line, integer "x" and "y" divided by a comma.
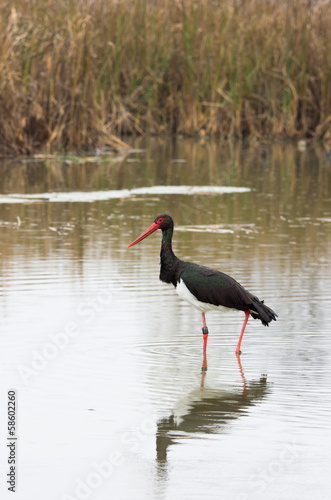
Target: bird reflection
{"x": 207, "y": 411}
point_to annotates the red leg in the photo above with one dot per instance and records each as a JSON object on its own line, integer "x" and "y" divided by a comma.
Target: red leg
{"x": 204, "y": 332}
{"x": 247, "y": 313}
{"x": 203, "y": 369}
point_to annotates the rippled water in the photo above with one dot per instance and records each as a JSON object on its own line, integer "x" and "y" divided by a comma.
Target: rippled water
{"x": 106, "y": 359}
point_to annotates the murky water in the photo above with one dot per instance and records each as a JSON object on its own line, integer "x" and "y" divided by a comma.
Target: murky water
{"x": 106, "y": 360}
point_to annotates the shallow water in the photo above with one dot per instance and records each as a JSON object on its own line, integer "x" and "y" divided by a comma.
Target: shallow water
{"x": 106, "y": 360}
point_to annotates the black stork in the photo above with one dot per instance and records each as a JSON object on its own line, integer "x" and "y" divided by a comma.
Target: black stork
{"x": 204, "y": 288}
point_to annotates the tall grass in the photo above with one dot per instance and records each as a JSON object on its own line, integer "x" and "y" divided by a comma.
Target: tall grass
{"x": 76, "y": 74}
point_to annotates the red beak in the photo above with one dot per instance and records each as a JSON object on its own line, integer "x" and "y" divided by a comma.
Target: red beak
{"x": 146, "y": 233}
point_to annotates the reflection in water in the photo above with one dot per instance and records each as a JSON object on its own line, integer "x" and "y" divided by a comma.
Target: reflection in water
{"x": 287, "y": 204}
{"x": 206, "y": 411}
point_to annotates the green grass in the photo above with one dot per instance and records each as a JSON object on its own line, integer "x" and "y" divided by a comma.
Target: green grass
{"x": 75, "y": 74}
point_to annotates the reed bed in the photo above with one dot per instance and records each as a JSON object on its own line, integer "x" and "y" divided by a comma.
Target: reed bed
{"x": 78, "y": 74}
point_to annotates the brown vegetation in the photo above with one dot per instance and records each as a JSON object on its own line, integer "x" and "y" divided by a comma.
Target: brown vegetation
{"x": 76, "y": 74}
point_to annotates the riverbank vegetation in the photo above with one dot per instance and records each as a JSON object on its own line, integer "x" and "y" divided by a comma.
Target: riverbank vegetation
{"x": 77, "y": 74}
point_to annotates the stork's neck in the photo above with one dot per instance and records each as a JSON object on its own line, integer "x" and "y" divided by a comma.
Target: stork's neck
{"x": 169, "y": 261}
{"x": 167, "y": 238}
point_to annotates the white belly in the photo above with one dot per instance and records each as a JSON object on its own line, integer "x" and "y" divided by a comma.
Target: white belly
{"x": 185, "y": 294}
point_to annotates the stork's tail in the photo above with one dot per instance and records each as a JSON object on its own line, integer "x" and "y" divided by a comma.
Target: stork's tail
{"x": 262, "y": 312}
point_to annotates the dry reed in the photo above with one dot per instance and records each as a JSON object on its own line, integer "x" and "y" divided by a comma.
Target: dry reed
{"x": 76, "y": 74}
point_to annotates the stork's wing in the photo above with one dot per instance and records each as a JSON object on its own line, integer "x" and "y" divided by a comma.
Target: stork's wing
{"x": 219, "y": 289}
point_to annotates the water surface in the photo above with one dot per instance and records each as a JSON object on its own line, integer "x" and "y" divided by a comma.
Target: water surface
{"x": 106, "y": 359}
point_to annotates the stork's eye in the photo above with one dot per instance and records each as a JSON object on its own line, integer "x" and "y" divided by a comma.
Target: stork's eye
{"x": 160, "y": 220}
